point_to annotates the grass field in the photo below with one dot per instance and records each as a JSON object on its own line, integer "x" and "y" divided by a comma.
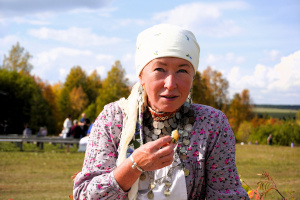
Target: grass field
{"x": 38, "y": 175}
{"x": 275, "y": 112}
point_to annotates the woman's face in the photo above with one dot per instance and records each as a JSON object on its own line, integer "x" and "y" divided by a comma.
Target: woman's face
{"x": 167, "y": 81}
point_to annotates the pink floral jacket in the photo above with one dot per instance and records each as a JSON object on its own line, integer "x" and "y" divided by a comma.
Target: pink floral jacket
{"x": 210, "y": 159}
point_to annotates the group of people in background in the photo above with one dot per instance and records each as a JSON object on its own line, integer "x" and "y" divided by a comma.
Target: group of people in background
{"x": 28, "y": 133}
{"x": 76, "y": 129}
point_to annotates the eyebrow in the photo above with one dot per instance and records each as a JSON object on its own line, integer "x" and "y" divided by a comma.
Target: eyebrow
{"x": 182, "y": 65}
{"x": 162, "y": 63}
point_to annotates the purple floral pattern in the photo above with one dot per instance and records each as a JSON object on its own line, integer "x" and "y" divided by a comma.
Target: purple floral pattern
{"x": 210, "y": 159}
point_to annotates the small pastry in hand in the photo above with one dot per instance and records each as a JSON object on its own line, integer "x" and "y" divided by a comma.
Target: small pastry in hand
{"x": 175, "y": 136}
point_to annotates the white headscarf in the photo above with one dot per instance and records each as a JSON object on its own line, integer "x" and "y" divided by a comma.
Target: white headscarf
{"x": 163, "y": 40}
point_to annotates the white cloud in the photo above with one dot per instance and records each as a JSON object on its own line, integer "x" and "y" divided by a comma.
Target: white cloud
{"x": 39, "y": 22}
{"x": 104, "y": 12}
{"x": 73, "y": 35}
{"x": 103, "y": 57}
{"x": 289, "y": 71}
{"x": 282, "y": 79}
{"x": 128, "y": 21}
{"x": 100, "y": 70}
{"x": 222, "y": 59}
{"x": 127, "y": 61}
{"x": 233, "y": 58}
{"x": 211, "y": 58}
{"x": 272, "y": 55}
{"x": 32, "y": 7}
{"x": 56, "y": 63}
{"x": 9, "y": 40}
{"x": 204, "y": 18}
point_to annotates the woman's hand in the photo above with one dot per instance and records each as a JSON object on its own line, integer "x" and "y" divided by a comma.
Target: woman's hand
{"x": 155, "y": 155}
{"x": 150, "y": 156}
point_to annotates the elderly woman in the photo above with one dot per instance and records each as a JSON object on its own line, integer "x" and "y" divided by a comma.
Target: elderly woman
{"x": 131, "y": 153}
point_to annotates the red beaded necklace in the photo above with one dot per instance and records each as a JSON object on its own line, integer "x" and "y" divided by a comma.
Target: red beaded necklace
{"x": 161, "y": 116}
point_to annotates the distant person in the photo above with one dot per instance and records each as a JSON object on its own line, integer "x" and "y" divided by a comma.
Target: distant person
{"x": 66, "y": 127}
{"x": 269, "y": 139}
{"x": 4, "y": 127}
{"x": 256, "y": 142}
{"x": 76, "y": 131}
{"x": 84, "y": 123}
{"x": 84, "y": 140}
{"x": 27, "y": 131}
{"x": 42, "y": 132}
{"x": 90, "y": 129}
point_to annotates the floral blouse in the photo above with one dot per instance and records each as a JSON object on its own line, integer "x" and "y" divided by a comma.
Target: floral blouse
{"x": 210, "y": 159}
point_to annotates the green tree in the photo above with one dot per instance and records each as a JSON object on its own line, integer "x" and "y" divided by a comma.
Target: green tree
{"x": 283, "y": 133}
{"x": 17, "y": 60}
{"x": 298, "y": 117}
{"x": 114, "y": 87}
{"x": 93, "y": 84}
{"x": 91, "y": 111}
{"x": 244, "y": 132}
{"x": 64, "y": 103}
{"x": 75, "y": 79}
{"x": 23, "y": 102}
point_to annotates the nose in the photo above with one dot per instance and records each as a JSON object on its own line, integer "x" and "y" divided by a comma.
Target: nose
{"x": 170, "y": 82}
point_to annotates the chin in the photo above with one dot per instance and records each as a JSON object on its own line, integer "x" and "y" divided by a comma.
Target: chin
{"x": 168, "y": 108}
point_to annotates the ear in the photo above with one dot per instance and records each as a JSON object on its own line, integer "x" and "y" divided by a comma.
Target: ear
{"x": 142, "y": 82}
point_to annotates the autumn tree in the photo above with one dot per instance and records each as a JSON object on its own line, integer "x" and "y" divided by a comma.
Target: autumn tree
{"x": 17, "y": 60}
{"x": 78, "y": 100}
{"x": 49, "y": 93}
{"x": 240, "y": 109}
{"x": 78, "y": 92}
{"x": 210, "y": 88}
{"x": 217, "y": 89}
{"x": 199, "y": 89}
{"x": 113, "y": 88}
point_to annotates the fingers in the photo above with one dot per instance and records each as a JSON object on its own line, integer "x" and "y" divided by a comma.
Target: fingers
{"x": 155, "y": 155}
{"x": 164, "y": 141}
{"x": 168, "y": 159}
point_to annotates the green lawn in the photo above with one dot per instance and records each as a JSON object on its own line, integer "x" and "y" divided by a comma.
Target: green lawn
{"x": 35, "y": 174}
{"x": 275, "y": 112}
{"x": 281, "y": 162}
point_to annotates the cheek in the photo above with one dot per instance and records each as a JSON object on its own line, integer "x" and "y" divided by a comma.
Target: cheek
{"x": 186, "y": 85}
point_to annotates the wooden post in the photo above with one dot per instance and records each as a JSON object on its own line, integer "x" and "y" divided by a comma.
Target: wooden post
{"x": 21, "y": 146}
{"x": 68, "y": 147}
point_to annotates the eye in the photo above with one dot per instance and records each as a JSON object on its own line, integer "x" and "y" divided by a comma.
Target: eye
{"x": 159, "y": 69}
{"x": 182, "y": 71}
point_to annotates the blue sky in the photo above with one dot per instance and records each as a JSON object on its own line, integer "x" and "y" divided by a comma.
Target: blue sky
{"x": 254, "y": 43}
